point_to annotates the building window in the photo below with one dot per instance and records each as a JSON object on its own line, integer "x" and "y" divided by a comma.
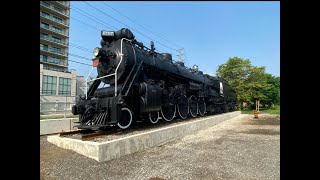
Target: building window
{"x": 65, "y": 86}
{"x": 58, "y": 9}
{"x": 57, "y": 19}
{"x": 56, "y": 29}
{"x": 56, "y": 50}
{"x": 45, "y": 3}
{"x": 55, "y": 39}
{"x": 43, "y": 58}
{"x": 44, "y": 25}
{"x": 62, "y": 2}
{"x": 54, "y": 60}
{"x": 44, "y": 36}
{"x": 44, "y": 14}
{"x": 44, "y": 47}
{"x": 49, "y": 85}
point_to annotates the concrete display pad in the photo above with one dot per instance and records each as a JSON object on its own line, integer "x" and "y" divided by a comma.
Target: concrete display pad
{"x": 51, "y": 126}
{"x": 104, "y": 151}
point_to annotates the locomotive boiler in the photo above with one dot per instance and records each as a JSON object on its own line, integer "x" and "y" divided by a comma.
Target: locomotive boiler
{"x": 144, "y": 84}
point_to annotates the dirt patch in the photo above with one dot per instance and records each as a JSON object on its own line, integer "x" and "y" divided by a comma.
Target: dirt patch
{"x": 262, "y": 132}
{"x": 263, "y": 122}
{"x": 264, "y": 119}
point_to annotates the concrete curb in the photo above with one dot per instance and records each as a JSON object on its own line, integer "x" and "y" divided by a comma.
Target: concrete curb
{"x": 51, "y": 126}
{"x": 104, "y": 151}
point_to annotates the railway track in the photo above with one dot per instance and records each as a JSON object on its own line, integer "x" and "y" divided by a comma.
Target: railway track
{"x": 85, "y": 135}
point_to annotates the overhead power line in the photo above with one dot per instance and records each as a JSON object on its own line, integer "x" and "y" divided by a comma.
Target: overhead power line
{"x": 79, "y": 62}
{"x": 89, "y": 16}
{"x": 142, "y": 26}
{"x": 88, "y": 50}
{"x": 84, "y": 23}
{"x": 92, "y": 18}
{"x": 81, "y": 57}
{"x": 81, "y": 48}
{"x": 85, "y": 14}
{"x": 130, "y": 27}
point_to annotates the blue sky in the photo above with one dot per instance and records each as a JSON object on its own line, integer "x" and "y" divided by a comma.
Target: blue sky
{"x": 209, "y": 32}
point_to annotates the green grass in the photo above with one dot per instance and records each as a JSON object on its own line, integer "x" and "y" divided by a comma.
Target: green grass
{"x": 57, "y": 117}
{"x": 274, "y": 110}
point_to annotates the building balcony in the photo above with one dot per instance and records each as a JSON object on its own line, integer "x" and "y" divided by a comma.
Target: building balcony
{"x": 53, "y": 9}
{"x": 46, "y": 38}
{"x": 65, "y": 3}
{"x": 59, "y": 32}
{"x": 50, "y": 67}
{"x": 49, "y": 29}
{"x": 51, "y": 61}
{"x": 55, "y": 21}
{"x": 53, "y": 51}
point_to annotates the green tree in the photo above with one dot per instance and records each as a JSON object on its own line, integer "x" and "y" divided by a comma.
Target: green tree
{"x": 251, "y": 83}
{"x": 235, "y": 71}
{"x": 257, "y": 84}
{"x": 273, "y": 95}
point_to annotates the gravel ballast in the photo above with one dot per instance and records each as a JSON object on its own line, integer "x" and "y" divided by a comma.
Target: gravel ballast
{"x": 239, "y": 148}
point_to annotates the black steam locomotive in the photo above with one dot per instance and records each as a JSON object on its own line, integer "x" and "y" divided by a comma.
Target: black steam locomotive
{"x": 146, "y": 85}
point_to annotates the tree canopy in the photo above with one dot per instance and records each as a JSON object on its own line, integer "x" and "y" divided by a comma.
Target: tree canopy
{"x": 250, "y": 82}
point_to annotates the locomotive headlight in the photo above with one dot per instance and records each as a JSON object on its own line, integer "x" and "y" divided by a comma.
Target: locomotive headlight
{"x": 96, "y": 51}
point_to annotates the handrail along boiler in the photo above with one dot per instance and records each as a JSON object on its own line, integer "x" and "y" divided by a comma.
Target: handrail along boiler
{"x": 146, "y": 85}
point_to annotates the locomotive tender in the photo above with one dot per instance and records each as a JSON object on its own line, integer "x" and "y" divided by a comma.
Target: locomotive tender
{"x": 146, "y": 85}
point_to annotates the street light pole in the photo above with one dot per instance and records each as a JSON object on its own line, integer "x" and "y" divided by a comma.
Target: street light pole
{"x": 65, "y": 107}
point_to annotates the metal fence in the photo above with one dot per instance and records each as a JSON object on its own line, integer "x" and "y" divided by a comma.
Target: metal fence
{"x": 61, "y": 106}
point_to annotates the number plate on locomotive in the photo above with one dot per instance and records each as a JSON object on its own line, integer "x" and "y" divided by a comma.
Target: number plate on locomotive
{"x": 108, "y": 33}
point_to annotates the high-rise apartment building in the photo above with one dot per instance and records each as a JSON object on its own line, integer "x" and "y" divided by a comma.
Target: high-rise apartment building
{"x": 58, "y": 85}
{"x": 54, "y": 34}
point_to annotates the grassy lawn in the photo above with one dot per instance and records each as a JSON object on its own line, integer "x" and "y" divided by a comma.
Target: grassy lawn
{"x": 274, "y": 110}
{"x": 58, "y": 117}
